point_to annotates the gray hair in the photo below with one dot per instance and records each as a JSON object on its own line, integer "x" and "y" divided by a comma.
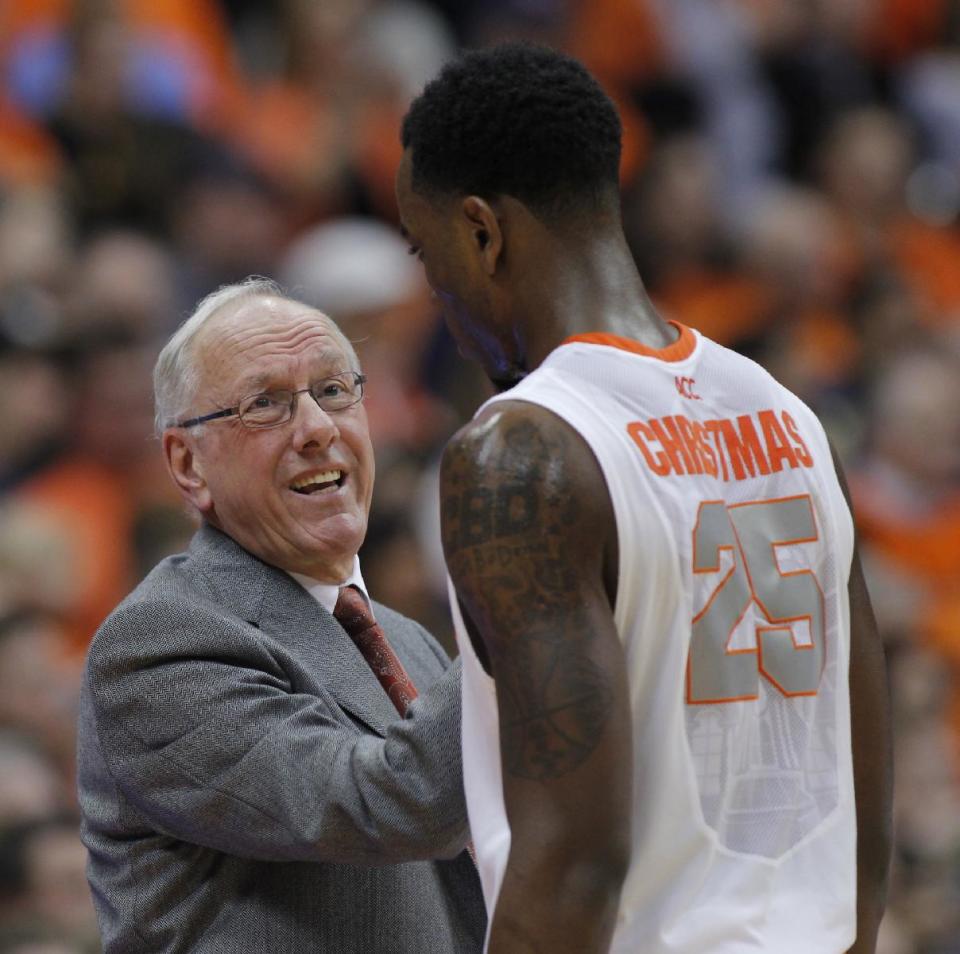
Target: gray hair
{"x": 176, "y": 377}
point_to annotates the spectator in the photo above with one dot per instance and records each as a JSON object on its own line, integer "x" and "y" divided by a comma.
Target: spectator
{"x": 44, "y": 886}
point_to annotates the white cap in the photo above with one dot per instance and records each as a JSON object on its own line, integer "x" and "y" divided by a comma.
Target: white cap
{"x": 350, "y": 265}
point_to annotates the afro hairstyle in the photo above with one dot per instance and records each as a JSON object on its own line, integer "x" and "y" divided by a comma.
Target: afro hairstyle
{"x": 515, "y": 119}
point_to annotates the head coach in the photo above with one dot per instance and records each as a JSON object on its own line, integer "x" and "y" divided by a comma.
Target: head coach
{"x": 268, "y": 760}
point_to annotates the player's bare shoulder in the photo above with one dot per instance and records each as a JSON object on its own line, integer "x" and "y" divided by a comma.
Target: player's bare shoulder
{"x": 525, "y": 515}
{"x": 519, "y": 474}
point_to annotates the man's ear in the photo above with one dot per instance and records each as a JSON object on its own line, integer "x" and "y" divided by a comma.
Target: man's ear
{"x": 186, "y": 470}
{"x": 485, "y": 231}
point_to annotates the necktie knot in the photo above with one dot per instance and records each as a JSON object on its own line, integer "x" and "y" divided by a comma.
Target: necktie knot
{"x": 353, "y": 613}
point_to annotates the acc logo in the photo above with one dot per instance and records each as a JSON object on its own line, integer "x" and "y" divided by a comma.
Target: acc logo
{"x": 685, "y": 388}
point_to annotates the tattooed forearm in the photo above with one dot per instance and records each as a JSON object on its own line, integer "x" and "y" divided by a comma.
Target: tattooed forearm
{"x": 520, "y": 550}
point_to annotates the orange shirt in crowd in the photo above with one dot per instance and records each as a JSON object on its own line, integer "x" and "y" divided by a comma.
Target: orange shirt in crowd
{"x": 95, "y": 512}
{"x": 900, "y": 28}
{"x": 926, "y": 550}
{"x": 725, "y": 307}
{"x": 929, "y": 258}
{"x": 620, "y": 43}
{"x": 196, "y": 25}
{"x": 98, "y": 508}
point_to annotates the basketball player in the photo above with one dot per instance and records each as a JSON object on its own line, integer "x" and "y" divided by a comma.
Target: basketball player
{"x": 674, "y": 723}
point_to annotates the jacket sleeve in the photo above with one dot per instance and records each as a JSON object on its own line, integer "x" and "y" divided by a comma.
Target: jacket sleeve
{"x": 212, "y": 747}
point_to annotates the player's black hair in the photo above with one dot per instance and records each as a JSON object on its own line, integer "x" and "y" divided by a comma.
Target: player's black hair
{"x": 515, "y": 119}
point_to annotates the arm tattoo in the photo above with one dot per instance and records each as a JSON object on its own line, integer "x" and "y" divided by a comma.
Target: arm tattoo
{"x": 516, "y": 538}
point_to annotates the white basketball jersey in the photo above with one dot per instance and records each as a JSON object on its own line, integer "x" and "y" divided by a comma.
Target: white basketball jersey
{"x": 735, "y": 545}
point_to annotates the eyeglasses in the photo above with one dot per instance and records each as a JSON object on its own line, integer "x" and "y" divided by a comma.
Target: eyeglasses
{"x": 270, "y": 408}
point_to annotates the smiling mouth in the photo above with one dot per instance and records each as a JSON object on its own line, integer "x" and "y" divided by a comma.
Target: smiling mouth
{"x": 317, "y": 483}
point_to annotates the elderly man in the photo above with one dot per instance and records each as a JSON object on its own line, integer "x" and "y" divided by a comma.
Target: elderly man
{"x": 246, "y": 779}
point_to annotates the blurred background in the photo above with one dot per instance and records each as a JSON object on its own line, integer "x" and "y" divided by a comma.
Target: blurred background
{"x": 791, "y": 179}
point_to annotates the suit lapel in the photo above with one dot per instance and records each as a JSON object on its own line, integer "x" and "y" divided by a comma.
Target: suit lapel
{"x": 273, "y": 601}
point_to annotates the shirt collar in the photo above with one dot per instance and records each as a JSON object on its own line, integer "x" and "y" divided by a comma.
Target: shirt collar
{"x": 326, "y": 594}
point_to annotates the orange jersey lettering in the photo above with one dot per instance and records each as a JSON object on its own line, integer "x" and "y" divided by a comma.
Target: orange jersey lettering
{"x": 728, "y": 448}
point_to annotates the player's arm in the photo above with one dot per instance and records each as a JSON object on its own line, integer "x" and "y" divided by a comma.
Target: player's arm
{"x": 872, "y": 754}
{"x": 528, "y": 534}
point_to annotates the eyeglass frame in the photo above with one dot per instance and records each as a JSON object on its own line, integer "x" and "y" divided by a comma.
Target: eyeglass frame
{"x": 359, "y": 381}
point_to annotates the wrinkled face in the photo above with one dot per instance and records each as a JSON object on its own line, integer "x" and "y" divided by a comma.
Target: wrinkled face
{"x": 296, "y": 495}
{"x": 446, "y": 242}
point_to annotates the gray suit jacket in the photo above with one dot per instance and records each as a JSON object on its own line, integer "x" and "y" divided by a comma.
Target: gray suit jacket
{"x": 246, "y": 784}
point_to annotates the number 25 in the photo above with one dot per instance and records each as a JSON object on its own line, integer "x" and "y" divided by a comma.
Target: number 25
{"x": 752, "y": 532}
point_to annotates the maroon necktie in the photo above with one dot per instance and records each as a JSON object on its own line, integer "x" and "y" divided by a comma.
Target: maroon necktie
{"x": 354, "y": 615}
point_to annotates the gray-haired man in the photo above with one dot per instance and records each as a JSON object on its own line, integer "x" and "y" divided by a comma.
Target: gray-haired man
{"x": 247, "y": 784}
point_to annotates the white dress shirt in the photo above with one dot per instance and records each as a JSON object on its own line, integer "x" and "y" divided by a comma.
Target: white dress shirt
{"x": 326, "y": 594}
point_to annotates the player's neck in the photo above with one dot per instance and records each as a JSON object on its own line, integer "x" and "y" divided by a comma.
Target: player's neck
{"x": 590, "y": 287}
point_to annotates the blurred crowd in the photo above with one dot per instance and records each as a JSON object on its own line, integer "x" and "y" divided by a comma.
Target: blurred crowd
{"x": 791, "y": 180}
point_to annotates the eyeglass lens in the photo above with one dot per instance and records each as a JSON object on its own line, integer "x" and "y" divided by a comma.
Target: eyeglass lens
{"x": 275, "y": 407}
